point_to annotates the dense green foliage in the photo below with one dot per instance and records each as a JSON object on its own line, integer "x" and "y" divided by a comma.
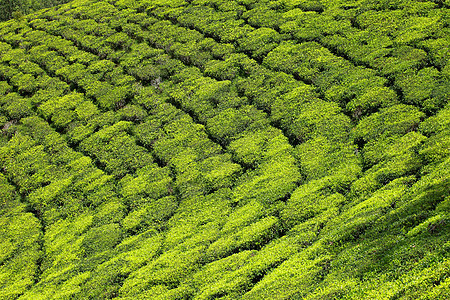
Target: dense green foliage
{"x": 211, "y": 149}
{"x": 17, "y": 8}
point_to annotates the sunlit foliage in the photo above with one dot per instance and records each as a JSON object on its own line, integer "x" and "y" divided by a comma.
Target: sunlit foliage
{"x": 214, "y": 149}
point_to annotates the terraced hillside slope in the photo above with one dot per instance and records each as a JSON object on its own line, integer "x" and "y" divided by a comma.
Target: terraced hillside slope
{"x": 206, "y": 149}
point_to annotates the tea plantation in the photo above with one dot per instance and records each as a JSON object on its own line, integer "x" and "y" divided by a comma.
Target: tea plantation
{"x": 239, "y": 149}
